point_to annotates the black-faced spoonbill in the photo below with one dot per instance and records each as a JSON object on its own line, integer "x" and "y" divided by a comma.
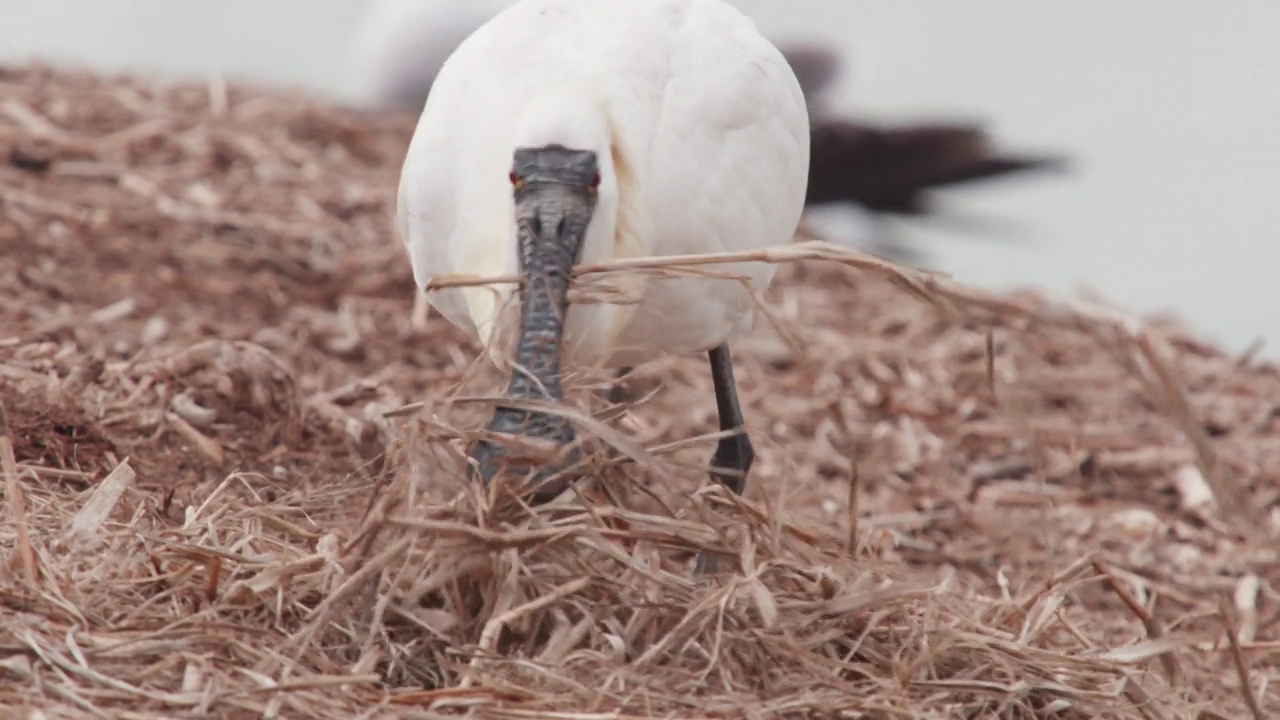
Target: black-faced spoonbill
{"x": 577, "y": 131}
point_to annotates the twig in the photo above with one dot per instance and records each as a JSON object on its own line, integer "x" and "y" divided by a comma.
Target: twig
{"x": 1237, "y": 657}
{"x": 321, "y": 613}
{"x": 489, "y": 636}
{"x": 1155, "y": 631}
{"x": 17, "y": 502}
{"x": 855, "y": 492}
{"x": 1233, "y": 500}
{"x": 207, "y": 446}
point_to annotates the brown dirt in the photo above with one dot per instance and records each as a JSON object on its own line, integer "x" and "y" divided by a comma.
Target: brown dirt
{"x": 205, "y": 312}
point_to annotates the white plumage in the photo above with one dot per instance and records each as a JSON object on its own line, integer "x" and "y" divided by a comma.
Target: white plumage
{"x": 703, "y": 139}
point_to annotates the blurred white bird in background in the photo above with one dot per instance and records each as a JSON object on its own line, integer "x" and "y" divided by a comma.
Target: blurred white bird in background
{"x": 883, "y": 171}
{"x": 399, "y": 46}
{"x": 578, "y": 131}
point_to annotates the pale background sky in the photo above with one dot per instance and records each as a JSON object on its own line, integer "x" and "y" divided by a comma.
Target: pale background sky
{"x": 1170, "y": 107}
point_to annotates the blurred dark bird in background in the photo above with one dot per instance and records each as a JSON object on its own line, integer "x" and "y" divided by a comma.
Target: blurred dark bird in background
{"x": 889, "y": 170}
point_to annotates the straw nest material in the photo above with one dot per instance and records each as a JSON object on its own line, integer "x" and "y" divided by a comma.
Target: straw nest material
{"x": 964, "y": 505}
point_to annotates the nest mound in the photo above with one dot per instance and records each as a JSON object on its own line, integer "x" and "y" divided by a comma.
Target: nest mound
{"x": 964, "y": 504}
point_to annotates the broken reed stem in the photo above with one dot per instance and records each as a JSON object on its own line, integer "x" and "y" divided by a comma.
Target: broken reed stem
{"x": 917, "y": 281}
{"x": 1154, "y": 630}
{"x": 17, "y": 503}
{"x": 933, "y": 288}
{"x": 489, "y": 635}
{"x": 855, "y": 491}
{"x": 322, "y": 612}
{"x": 852, "y": 452}
{"x": 1233, "y": 501}
{"x": 991, "y": 367}
{"x": 1141, "y": 699}
{"x": 1237, "y": 658}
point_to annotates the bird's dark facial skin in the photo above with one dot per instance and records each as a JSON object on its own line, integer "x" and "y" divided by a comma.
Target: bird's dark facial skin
{"x": 555, "y": 193}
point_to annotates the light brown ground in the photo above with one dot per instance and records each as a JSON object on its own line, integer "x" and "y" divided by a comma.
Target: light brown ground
{"x": 204, "y": 312}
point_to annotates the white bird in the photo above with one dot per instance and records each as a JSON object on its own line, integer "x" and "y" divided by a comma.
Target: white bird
{"x": 577, "y": 131}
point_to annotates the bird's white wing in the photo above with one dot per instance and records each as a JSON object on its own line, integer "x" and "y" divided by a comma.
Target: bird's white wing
{"x": 734, "y": 142}
{"x": 727, "y": 172}
{"x": 427, "y": 208}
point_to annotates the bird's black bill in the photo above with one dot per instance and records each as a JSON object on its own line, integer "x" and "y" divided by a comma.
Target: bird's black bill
{"x": 555, "y": 196}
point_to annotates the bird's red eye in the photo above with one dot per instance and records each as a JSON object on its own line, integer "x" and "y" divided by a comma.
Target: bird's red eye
{"x": 595, "y": 181}
{"x": 515, "y": 179}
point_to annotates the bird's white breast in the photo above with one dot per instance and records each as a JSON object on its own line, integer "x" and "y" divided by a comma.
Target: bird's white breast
{"x": 708, "y": 129}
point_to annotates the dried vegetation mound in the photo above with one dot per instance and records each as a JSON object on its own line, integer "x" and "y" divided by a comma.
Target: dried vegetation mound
{"x": 964, "y": 505}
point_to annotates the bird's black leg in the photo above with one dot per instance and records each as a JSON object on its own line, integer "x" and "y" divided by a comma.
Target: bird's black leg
{"x": 733, "y": 456}
{"x": 618, "y": 392}
{"x": 734, "y": 453}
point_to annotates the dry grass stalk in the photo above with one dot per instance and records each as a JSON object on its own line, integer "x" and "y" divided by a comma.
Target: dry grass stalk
{"x": 17, "y": 503}
{"x": 1235, "y": 500}
{"x": 1155, "y": 631}
{"x": 101, "y": 502}
{"x": 203, "y": 279}
{"x": 1238, "y": 661}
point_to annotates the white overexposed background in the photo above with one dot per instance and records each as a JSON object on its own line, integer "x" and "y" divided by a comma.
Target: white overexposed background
{"x": 1170, "y": 109}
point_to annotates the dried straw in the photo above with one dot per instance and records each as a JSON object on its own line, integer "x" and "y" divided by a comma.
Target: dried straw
{"x": 965, "y": 504}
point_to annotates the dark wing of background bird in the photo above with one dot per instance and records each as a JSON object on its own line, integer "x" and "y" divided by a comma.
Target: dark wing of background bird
{"x": 889, "y": 169}
{"x": 816, "y": 68}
